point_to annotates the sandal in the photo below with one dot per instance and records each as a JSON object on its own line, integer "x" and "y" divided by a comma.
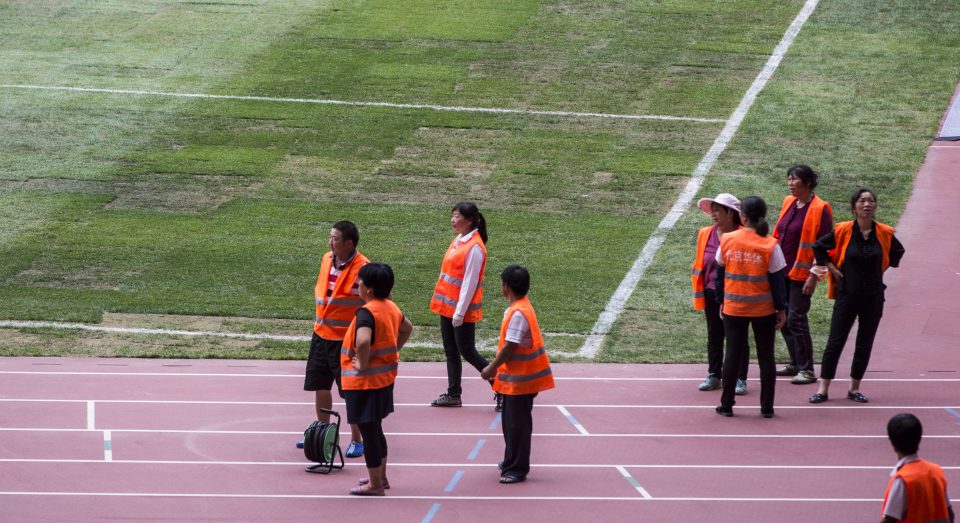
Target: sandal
{"x": 365, "y": 481}
{"x": 818, "y": 398}
{"x": 512, "y": 479}
{"x": 856, "y": 396}
{"x": 365, "y": 490}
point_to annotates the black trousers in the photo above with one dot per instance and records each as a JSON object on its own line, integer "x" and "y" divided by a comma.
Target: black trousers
{"x": 738, "y": 348}
{"x": 867, "y": 310}
{"x": 715, "y": 338}
{"x": 374, "y": 443}
{"x": 796, "y": 332}
{"x": 459, "y": 341}
{"x": 517, "y": 423}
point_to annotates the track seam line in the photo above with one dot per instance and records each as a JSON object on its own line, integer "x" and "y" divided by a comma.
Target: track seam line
{"x": 591, "y": 346}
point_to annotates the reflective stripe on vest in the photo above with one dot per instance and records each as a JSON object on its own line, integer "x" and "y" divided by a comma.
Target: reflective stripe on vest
{"x": 334, "y": 313}
{"x": 446, "y": 293}
{"x": 528, "y": 369}
{"x": 925, "y": 486}
{"x": 842, "y": 233}
{"x": 809, "y": 233}
{"x": 381, "y": 369}
{"x": 746, "y": 284}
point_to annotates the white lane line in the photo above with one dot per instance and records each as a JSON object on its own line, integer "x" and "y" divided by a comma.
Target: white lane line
{"x": 487, "y": 434}
{"x": 782, "y": 467}
{"x": 451, "y": 497}
{"x": 566, "y": 413}
{"x": 636, "y": 484}
{"x": 107, "y": 446}
{"x": 619, "y": 299}
{"x": 431, "y": 107}
{"x": 91, "y": 416}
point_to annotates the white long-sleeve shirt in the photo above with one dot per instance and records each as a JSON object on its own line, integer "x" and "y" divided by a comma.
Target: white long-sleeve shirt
{"x": 471, "y": 274}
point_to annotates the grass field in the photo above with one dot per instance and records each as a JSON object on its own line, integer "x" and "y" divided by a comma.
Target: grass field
{"x": 148, "y": 210}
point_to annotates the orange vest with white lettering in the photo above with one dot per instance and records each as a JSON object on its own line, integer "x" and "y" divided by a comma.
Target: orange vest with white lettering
{"x": 381, "y": 369}
{"x": 334, "y": 313}
{"x": 808, "y": 234}
{"x": 842, "y": 232}
{"x": 926, "y": 488}
{"x": 528, "y": 369}
{"x": 746, "y": 283}
{"x": 446, "y": 294}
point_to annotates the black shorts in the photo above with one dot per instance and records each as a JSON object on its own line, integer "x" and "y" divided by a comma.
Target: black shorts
{"x": 323, "y": 364}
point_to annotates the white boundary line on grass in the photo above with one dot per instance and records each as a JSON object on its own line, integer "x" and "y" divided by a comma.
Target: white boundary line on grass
{"x": 619, "y": 299}
{"x": 319, "y": 101}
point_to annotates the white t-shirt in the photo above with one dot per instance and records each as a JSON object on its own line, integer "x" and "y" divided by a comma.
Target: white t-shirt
{"x": 518, "y": 330}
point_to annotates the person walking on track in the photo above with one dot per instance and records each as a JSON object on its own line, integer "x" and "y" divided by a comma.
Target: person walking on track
{"x": 750, "y": 278}
{"x": 804, "y": 217}
{"x": 917, "y": 491}
{"x": 458, "y": 298}
{"x": 856, "y": 254}
{"x": 520, "y": 371}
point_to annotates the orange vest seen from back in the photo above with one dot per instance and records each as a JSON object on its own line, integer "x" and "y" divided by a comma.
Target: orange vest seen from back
{"x": 842, "y": 232}
{"x": 381, "y": 369}
{"x": 528, "y": 370}
{"x": 334, "y": 313}
{"x": 808, "y": 234}
{"x": 446, "y": 294}
{"x": 926, "y": 488}
{"x": 746, "y": 283}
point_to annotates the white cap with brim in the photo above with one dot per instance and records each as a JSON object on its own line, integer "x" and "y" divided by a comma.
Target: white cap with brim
{"x": 725, "y": 199}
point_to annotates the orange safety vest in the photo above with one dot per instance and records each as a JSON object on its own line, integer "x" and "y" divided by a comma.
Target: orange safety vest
{"x": 926, "y": 488}
{"x": 446, "y": 294}
{"x": 334, "y": 313}
{"x": 746, "y": 283}
{"x": 697, "y": 278}
{"x": 842, "y": 232}
{"x": 528, "y": 370}
{"x": 384, "y": 355}
{"x": 808, "y": 234}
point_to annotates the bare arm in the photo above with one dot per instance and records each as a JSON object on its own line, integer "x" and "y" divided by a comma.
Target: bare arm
{"x": 362, "y": 359}
{"x": 406, "y": 328}
{"x": 503, "y": 355}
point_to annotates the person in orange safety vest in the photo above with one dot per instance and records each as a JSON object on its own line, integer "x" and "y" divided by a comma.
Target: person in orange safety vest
{"x": 368, "y": 362}
{"x": 520, "y": 371}
{"x": 337, "y": 298}
{"x": 750, "y": 274}
{"x": 917, "y": 491}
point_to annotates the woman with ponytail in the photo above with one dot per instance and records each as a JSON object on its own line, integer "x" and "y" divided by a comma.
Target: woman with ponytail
{"x": 458, "y": 298}
{"x": 751, "y": 289}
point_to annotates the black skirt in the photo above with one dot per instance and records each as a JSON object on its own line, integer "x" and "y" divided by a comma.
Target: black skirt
{"x": 369, "y": 405}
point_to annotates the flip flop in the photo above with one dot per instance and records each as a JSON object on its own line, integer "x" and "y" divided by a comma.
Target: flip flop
{"x": 512, "y": 479}
{"x": 365, "y": 481}
{"x": 364, "y": 490}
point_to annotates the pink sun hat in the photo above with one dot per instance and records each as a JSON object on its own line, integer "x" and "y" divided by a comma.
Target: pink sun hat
{"x": 725, "y": 199}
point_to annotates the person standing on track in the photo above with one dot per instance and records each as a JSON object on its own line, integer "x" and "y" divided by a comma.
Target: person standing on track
{"x": 917, "y": 491}
{"x": 750, "y": 274}
{"x": 724, "y": 210}
{"x": 520, "y": 371}
{"x": 856, "y": 254}
{"x": 337, "y": 298}
{"x": 458, "y": 299}
{"x": 804, "y": 217}
{"x": 368, "y": 362}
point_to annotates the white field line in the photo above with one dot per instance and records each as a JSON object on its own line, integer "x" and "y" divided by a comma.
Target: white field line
{"x": 619, "y": 299}
{"x": 496, "y": 498}
{"x": 418, "y": 377}
{"x": 785, "y": 467}
{"x": 431, "y": 107}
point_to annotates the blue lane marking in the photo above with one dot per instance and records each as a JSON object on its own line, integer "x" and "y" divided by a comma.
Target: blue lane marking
{"x": 432, "y": 512}
{"x": 476, "y": 450}
{"x": 495, "y": 422}
{"x": 955, "y": 413}
{"x": 453, "y": 482}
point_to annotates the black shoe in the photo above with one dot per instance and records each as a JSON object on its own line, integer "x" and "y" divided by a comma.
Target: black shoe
{"x": 725, "y": 411}
{"x": 446, "y": 400}
{"x": 499, "y": 399}
{"x": 766, "y": 413}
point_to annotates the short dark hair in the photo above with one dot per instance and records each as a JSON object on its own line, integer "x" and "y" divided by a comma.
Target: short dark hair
{"x": 857, "y": 193}
{"x": 517, "y": 278}
{"x": 806, "y": 175}
{"x": 348, "y": 231}
{"x": 378, "y": 277}
{"x": 905, "y": 431}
